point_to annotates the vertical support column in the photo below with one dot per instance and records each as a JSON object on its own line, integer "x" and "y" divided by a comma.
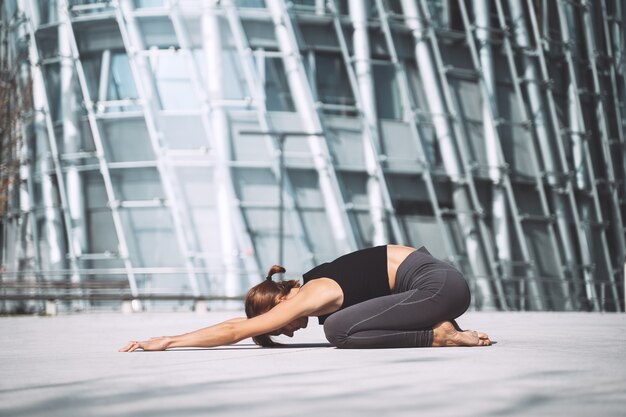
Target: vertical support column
{"x": 482, "y": 14}
{"x": 71, "y": 142}
{"x": 26, "y": 154}
{"x": 55, "y": 230}
{"x": 303, "y": 100}
{"x": 371, "y": 139}
{"x": 358, "y": 15}
{"x": 219, "y": 133}
{"x": 428, "y": 75}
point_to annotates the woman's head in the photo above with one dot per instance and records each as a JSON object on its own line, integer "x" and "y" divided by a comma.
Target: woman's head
{"x": 263, "y": 297}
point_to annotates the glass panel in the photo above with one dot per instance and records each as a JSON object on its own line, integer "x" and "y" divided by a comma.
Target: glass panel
{"x": 183, "y": 131}
{"x": 52, "y": 241}
{"x": 347, "y": 147}
{"x": 148, "y": 3}
{"x": 233, "y": 83}
{"x": 424, "y": 231}
{"x": 92, "y": 63}
{"x": 173, "y": 82}
{"x": 252, "y": 147}
{"x": 260, "y": 34}
{"x": 399, "y": 146}
{"x": 319, "y": 36}
{"x": 48, "y": 11}
{"x": 137, "y": 184}
{"x": 158, "y": 32}
{"x": 362, "y": 221}
{"x": 256, "y": 185}
{"x": 152, "y": 240}
{"x": 250, "y": 3}
{"x": 394, "y": 6}
{"x": 121, "y": 84}
{"x": 355, "y": 186}
{"x": 53, "y": 90}
{"x": 207, "y": 224}
{"x": 197, "y": 189}
{"x": 277, "y": 93}
{"x": 323, "y": 245}
{"x": 197, "y": 186}
{"x": 387, "y": 96}
{"x": 126, "y": 140}
{"x": 98, "y": 35}
{"x": 331, "y": 78}
{"x": 48, "y": 42}
{"x": 100, "y": 227}
{"x": 306, "y": 188}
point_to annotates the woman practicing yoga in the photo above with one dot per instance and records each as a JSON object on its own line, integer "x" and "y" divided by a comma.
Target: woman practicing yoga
{"x": 382, "y": 297}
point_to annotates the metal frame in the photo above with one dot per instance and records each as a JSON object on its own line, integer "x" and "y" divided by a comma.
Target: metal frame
{"x": 532, "y": 124}
{"x": 133, "y": 44}
{"x": 586, "y": 153}
{"x": 342, "y": 228}
{"x": 580, "y": 223}
{"x": 464, "y": 179}
{"x": 381, "y": 205}
{"x": 52, "y": 143}
{"x": 416, "y": 136}
{"x": 65, "y": 20}
{"x": 233, "y": 220}
{"x": 258, "y": 102}
{"x": 505, "y": 179}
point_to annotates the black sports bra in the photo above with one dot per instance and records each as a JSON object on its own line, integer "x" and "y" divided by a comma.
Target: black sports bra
{"x": 362, "y": 275}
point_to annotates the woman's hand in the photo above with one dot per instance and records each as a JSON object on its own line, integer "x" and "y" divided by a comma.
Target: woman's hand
{"x": 155, "y": 343}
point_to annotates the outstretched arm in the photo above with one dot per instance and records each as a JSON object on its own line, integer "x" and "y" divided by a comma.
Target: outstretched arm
{"x": 310, "y": 298}
{"x": 216, "y": 335}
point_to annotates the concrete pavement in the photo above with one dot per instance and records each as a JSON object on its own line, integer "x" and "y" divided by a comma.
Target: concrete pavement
{"x": 544, "y": 364}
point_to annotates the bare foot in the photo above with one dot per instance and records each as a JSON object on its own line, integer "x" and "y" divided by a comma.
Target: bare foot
{"x": 445, "y": 334}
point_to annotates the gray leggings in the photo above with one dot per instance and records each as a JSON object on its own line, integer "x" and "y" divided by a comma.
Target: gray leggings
{"x": 427, "y": 291}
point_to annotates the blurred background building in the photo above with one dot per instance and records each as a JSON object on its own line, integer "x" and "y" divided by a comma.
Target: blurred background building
{"x": 146, "y": 142}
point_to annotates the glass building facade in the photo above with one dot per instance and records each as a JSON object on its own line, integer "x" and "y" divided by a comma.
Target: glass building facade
{"x": 184, "y": 146}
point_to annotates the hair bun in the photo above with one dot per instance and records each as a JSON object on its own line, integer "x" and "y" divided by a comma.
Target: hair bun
{"x": 275, "y": 269}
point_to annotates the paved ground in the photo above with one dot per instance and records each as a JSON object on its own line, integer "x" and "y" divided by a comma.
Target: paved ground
{"x": 544, "y": 364}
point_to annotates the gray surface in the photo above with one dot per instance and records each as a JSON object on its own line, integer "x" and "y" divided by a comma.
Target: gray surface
{"x": 551, "y": 364}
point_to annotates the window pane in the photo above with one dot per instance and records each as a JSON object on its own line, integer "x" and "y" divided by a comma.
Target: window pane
{"x": 121, "y": 84}
{"x": 277, "y": 94}
{"x": 148, "y": 3}
{"x": 332, "y": 81}
{"x": 250, "y": 3}
{"x": 387, "y": 96}
{"x": 157, "y": 32}
{"x": 173, "y": 83}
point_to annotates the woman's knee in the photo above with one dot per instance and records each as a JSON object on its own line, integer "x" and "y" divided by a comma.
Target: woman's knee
{"x": 336, "y": 331}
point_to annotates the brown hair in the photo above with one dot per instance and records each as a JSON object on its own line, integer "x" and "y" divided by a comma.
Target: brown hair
{"x": 264, "y": 296}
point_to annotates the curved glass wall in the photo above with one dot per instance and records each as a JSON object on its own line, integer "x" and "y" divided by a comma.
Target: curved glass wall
{"x": 491, "y": 132}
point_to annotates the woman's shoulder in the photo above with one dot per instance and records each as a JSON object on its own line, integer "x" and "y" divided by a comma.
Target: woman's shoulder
{"x": 325, "y": 293}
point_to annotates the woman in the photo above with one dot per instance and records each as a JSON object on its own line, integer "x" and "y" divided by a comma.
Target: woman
{"x": 382, "y": 297}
